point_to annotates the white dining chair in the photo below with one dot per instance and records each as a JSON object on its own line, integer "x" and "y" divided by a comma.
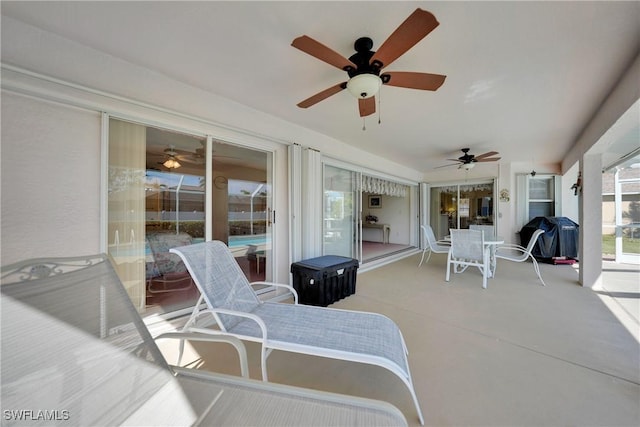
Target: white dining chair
{"x": 517, "y": 253}
{"x": 489, "y": 230}
{"x": 468, "y": 249}
{"x": 431, "y": 244}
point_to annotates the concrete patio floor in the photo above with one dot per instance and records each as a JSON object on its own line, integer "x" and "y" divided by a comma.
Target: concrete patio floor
{"x": 515, "y": 354}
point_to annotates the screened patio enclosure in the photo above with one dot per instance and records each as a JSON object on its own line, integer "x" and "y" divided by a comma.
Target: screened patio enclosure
{"x": 621, "y": 211}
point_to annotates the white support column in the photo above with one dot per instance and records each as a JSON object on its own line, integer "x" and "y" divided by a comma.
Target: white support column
{"x": 591, "y": 221}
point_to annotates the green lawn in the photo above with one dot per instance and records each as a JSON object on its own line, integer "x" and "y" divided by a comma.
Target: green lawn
{"x": 628, "y": 245}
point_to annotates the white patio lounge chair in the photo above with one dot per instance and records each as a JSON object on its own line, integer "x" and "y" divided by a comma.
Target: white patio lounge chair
{"x": 76, "y": 353}
{"x": 517, "y": 253}
{"x": 468, "y": 249}
{"x": 340, "y": 334}
{"x": 431, "y": 244}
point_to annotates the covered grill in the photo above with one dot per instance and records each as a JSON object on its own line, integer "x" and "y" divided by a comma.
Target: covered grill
{"x": 560, "y": 238}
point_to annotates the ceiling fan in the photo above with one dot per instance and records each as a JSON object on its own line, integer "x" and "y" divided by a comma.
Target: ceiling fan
{"x": 195, "y": 157}
{"x": 364, "y": 67}
{"x": 467, "y": 161}
{"x": 171, "y": 162}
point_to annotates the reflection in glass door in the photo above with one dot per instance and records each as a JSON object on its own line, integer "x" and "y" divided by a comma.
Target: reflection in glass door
{"x": 242, "y": 209}
{"x": 340, "y": 228}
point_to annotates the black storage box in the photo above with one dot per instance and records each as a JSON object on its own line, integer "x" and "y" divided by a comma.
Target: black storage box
{"x": 324, "y": 280}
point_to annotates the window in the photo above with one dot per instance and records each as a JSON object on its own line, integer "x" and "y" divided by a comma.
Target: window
{"x": 541, "y": 197}
{"x": 536, "y": 197}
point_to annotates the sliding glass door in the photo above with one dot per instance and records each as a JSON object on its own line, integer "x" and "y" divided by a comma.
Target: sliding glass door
{"x": 460, "y": 205}
{"x": 341, "y": 212}
{"x": 367, "y": 217}
{"x": 159, "y": 197}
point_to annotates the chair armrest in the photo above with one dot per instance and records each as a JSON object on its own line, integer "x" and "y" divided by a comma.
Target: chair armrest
{"x": 216, "y": 311}
{"x": 279, "y": 285}
{"x": 511, "y": 247}
{"x": 239, "y": 346}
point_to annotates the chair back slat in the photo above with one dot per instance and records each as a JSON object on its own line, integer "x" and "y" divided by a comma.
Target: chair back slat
{"x": 467, "y": 244}
{"x": 430, "y": 236}
{"x": 534, "y": 239}
{"x": 489, "y": 230}
{"x": 219, "y": 278}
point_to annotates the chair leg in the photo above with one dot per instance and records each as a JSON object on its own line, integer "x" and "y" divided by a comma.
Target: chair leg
{"x": 485, "y": 270}
{"x": 263, "y": 357}
{"x": 180, "y": 352}
{"x": 537, "y": 269}
{"x": 422, "y": 259}
{"x": 446, "y": 278}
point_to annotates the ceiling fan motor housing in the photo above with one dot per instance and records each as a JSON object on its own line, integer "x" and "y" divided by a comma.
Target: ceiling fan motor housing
{"x": 368, "y": 86}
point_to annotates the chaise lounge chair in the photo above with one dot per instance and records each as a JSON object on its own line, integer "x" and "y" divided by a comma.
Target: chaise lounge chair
{"x": 167, "y": 273}
{"x": 76, "y": 353}
{"x": 238, "y": 312}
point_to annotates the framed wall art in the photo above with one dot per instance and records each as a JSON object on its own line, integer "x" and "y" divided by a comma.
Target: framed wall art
{"x": 375, "y": 201}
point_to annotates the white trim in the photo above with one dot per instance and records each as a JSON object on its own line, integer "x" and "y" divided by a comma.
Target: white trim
{"x": 208, "y": 196}
{"x": 104, "y": 181}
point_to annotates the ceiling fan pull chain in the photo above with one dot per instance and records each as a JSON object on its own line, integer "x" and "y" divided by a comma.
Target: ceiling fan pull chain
{"x": 379, "y": 104}
{"x": 364, "y": 127}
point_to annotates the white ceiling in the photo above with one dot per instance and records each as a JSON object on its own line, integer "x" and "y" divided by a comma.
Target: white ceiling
{"x": 523, "y": 78}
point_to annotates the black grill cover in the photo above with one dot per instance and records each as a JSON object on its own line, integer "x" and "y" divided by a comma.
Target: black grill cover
{"x": 560, "y": 237}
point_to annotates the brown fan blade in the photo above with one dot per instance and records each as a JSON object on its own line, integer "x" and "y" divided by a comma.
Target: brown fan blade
{"x": 322, "y": 52}
{"x": 367, "y": 106}
{"x": 446, "y": 166}
{"x": 322, "y": 95}
{"x": 492, "y": 159}
{"x": 489, "y": 154}
{"x": 423, "y": 81}
{"x": 411, "y": 31}
{"x": 455, "y": 160}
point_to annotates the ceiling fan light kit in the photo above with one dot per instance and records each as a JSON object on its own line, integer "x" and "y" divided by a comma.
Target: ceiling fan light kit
{"x": 171, "y": 163}
{"x": 467, "y": 166}
{"x": 364, "y": 86}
